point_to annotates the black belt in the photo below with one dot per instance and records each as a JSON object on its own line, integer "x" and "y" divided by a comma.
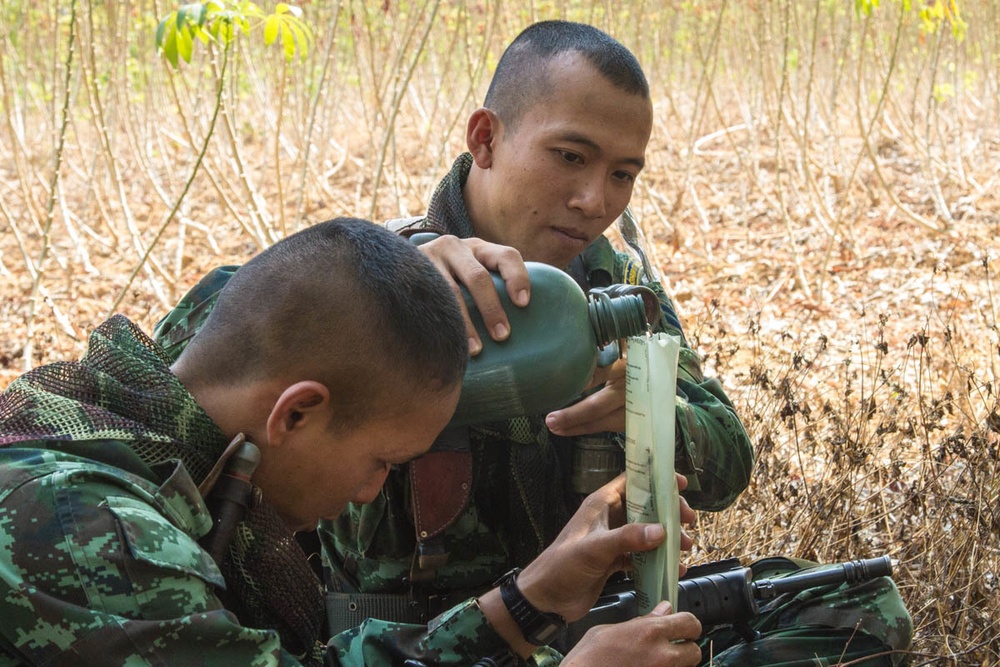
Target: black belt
{"x": 348, "y": 610}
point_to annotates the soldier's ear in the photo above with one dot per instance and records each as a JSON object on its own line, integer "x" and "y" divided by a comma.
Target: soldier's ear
{"x": 481, "y": 134}
{"x": 299, "y": 406}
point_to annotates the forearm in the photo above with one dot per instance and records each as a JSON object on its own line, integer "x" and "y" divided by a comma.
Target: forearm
{"x": 713, "y": 448}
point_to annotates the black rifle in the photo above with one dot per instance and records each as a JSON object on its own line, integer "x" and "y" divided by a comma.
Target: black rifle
{"x": 726, "y": 595}
{"x": 730, "y": 597}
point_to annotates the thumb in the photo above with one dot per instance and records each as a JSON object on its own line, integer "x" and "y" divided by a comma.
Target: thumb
{"x": 662, "y": 608}
{"x": 640, "y": 536}
{"x": 611, "y": 546}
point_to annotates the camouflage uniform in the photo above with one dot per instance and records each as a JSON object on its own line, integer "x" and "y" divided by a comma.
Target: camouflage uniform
{"x": 99, "y": 521}
{"x": 520, "y": 490}
{"x": 520, "y": 495}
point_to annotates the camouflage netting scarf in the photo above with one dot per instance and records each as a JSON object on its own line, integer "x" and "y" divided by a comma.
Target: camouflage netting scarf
{"x": 123, "y": 390}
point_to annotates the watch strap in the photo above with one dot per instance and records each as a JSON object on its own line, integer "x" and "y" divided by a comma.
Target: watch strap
{"x": 538, "y": 627}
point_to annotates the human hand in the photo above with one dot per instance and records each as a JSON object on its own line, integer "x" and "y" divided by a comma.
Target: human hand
{"x": 659, "y": 638}
{"x": 568, "y": 576}
{"x": 468, "y": 262}
{"x": 604, "y": 410}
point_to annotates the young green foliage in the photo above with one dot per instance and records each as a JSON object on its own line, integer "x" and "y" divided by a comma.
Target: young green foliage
{"x": 222, "y": 20}
{"x": 933, "y": 14}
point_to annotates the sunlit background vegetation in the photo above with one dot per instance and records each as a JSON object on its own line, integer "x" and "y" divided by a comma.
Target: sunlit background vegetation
{"x": 820, "y": 198}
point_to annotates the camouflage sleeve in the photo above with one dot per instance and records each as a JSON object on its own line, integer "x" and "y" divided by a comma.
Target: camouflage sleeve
{"x": 459, "y": 636}
{"x": 92, "y": 572}
{"x": 177, "y": 327}
{"x": 713, "y": 448}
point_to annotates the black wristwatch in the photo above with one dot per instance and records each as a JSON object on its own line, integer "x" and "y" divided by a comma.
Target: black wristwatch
{"x": 538, "y": 627}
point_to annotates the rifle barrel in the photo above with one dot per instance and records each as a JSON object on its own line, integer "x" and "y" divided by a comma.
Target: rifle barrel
{"x": 850, "y": 572}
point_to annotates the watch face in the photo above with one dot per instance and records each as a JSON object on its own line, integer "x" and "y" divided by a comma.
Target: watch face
{"x": 545, "y": 634}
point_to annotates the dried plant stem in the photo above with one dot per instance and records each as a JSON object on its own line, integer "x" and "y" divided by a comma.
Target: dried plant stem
{"x": 940, "y": 203}
{"x": 866, "y": 133}
{"x": 19, "y": 238}
{"x": 780, "y": 161}
{"x": 704, "y": 84}
{"x": 224, "y": 197}
{"x": 277, "y": 149}
{"x": 36, "y": 283}
{"x": 187, "y": 185}
{"x": 264, "y": 233}
{"x": 395, "y": 104}
{"x": 475, "y": 64}
{"x": 824, "y": 216}
{"x": 101, "y": 124}
{"x": 26, "y": 175}
{"x": 314, "y": 104}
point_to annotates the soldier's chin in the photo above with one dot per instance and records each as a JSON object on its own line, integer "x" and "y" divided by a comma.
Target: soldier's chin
{"x": 298, "y": 524}
{"x": 305, "y": 525}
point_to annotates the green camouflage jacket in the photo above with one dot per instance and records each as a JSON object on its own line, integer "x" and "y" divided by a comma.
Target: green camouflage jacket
{"x": 520, "y": 497}
{"x": 99, "y": 522}
{"x": 373, "y": 548}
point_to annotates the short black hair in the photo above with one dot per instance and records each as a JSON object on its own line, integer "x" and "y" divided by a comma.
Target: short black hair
{"x": 521, "y": 75}
{"x": 344, "y": 302}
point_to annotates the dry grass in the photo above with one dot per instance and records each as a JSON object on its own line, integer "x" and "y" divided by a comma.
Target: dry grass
{"x": 820, "y": 197}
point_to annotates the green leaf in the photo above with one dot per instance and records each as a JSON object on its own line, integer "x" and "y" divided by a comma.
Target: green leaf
{"x": 222, "y": 30}
{"x": 287, "y": 41}
{"x": 227, "y": 31}
{"x": 184, "y": 44}
{"x": 250, "y": 10}
{"x": 271, "y": 26}
{"x": 194, "y": 13}
{"x": 959, "y": 28}
{"x": 170, "y": 45}
{"x": 161, "y": 30}
{"x": 865, "y": 6}
{"x": 303, "y": 38}
{"x": 285, "y": 8}
{"x": 223, "y": 20}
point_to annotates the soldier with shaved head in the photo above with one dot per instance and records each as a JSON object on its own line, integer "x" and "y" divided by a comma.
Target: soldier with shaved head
{"x": 553, "y": 157}
{"x": 328, "y": 359}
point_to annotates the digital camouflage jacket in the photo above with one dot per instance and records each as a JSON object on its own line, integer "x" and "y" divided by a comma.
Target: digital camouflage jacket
{"x": 99, "y": 521}
{"x": 520, "y": 497}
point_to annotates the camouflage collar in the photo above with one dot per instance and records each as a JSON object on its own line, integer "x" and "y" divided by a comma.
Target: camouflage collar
{"x": 447, "y": 212}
